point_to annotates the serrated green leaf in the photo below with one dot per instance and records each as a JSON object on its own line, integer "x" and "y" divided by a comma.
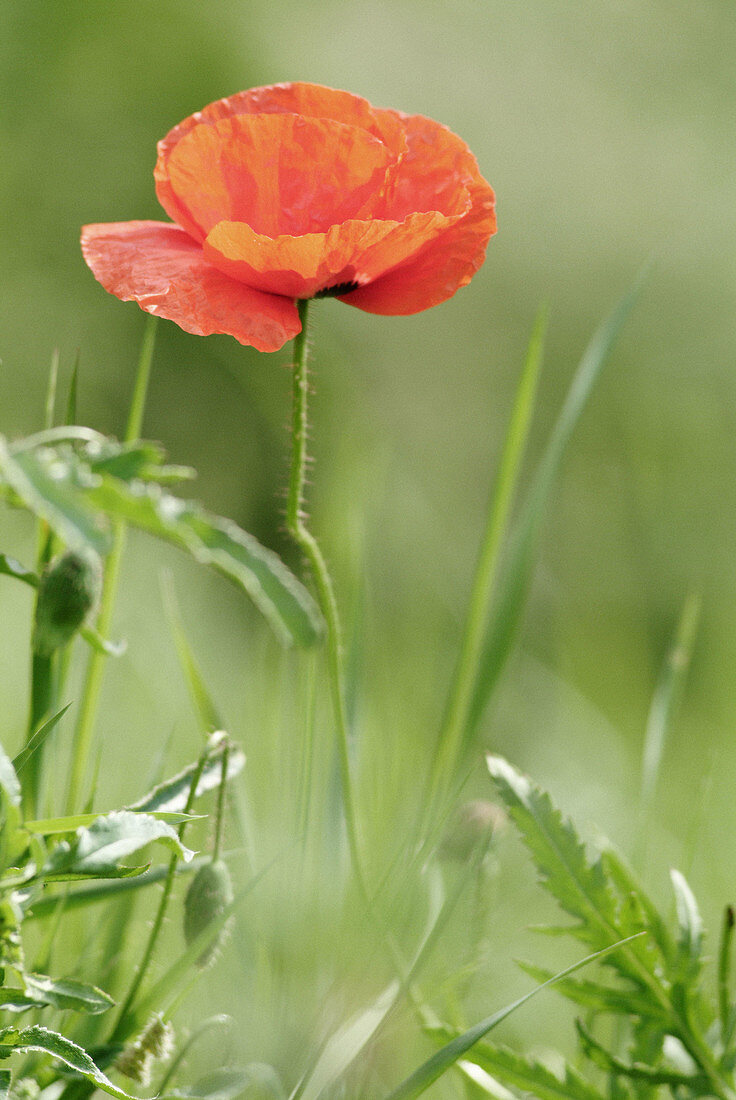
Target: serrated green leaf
{"x": 172, "y": 794}
{"x": 419, "y": 1081}
{"x": 342, "y": 1048}
{"x": 5, "y": 1078}
{"x": 9, "y": 567}
{"x": 97, "y": 851}
{"x": 528, "y": 1074}
{"x": 66, "y": 993}
{"x": 578, "y": 883}
{"x": 600, "y": 998}
{"x": 698, "y": 1085}
{"x": 64, "y": 1050}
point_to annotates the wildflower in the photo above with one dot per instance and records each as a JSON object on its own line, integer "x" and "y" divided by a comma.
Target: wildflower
{"x": 296, "y": 191}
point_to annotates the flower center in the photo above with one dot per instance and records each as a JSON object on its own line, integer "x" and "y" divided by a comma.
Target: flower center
{"x": 337, "y": 290}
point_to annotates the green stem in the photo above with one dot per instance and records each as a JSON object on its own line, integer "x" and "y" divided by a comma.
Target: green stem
{"x": 119, "y": 1032}
{"x": 42, "y": 699}
{"x": 95, "y": 664}
{"x": 295, "y": 521}
{"x": 486, "y": 575}
{"x": 220, "y": 819}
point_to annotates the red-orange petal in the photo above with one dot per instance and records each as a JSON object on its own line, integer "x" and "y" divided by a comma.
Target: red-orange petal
{"x": 301, "y": 266}
{"x": 307, "y": 100}
{"x": 436, "y": 169}
{"x": 163, "y": 269}
{"x": 282, "y": 174}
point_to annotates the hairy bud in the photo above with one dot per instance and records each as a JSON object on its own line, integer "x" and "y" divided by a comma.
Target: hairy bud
{"x": 67, "y": 593}
{"x": 209, "y": 894}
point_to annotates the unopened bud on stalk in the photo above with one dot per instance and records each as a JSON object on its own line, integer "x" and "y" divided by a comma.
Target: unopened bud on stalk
{"x": 209, "y": 894}
{"x": 475, "y": 824}
{"x": 68, "y": 591}
{"x": 154, "y": 1044}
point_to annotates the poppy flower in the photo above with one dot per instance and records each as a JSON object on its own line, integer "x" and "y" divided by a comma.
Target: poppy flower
{"x": 298, "y": 191}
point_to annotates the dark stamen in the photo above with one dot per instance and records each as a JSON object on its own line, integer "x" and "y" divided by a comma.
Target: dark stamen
{"x": 337, "y": 290}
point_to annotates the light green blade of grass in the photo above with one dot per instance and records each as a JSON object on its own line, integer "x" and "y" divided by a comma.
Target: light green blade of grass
{"x": 419, "y": 1081}
{"x": 204, "y": 704}
{"x": 70, "y": 416}
{"x": 665, "y": 701}
{"x": 38, "y": 739}
{"x": 520, "y": 562}
{"x": 50, "y": 403}
{"x": 342, "y": 1048}
{"x": 487, "y": 569}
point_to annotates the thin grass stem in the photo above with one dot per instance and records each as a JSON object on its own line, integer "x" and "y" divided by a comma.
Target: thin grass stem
{"x": 95, "y": 664}
{"x": 487, "y": 570}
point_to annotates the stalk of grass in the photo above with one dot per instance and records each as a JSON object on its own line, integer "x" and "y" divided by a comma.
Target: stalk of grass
{"x": 95, "y": 664}
{"x": 665, "y": 701}
{"x": 487, "y": 569}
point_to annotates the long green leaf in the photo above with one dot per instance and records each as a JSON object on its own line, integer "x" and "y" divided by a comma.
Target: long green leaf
{"x": 53, "y": 825}
{"x": 97, "y": 851}
{"x": 219, "y": 543}
{"x": 517, "y": 576}
{"x": 67, "y": 993}
{"x": 64, "y": 1050}
{"x": 419, "y": 1081}
{"x": 44, "y": 482}
{"x": 342, "y": 1048}
{"x": 20, "y": 761}
{"x": 172, "y": 794}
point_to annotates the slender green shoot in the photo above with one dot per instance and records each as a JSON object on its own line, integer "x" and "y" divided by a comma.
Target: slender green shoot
{"x": 724, "y": 975}
{"x": 95, "y": 663}
{"x": 665, "y": 701}
{"x": 487, "y": 570}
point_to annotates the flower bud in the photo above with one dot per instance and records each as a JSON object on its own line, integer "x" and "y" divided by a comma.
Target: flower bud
{"x": 67, "y": 593}
{"x": 475, "y": 823}
{"x": 209, "y": 894}
{"x": 154, "y": 1044}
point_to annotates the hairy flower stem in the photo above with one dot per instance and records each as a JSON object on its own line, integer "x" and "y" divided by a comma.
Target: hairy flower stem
{"x": 305, "y": 540}
{"x": 95, "y": 665}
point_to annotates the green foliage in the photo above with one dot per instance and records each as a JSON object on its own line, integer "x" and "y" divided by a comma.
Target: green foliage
{"x": 670, "y": 1025}
{"x": 79, "y": 482}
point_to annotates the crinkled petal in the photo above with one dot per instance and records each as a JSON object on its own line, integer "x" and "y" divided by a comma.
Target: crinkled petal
{"x": 437, "y": 168}
{"x": 301, "y": 266}
{"x": 279, "y": 173}
{"x": 163, "y": 269}
{"x": 306, "y": 100}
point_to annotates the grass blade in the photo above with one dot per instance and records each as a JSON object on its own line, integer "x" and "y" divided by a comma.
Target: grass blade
{"x": 517, "y": 578}
{"x": 448, "y": 1055}
{"x": 486, "y": 574}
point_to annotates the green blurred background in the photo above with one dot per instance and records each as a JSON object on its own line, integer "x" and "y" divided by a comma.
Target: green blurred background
{"x": 607, "y": 131}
